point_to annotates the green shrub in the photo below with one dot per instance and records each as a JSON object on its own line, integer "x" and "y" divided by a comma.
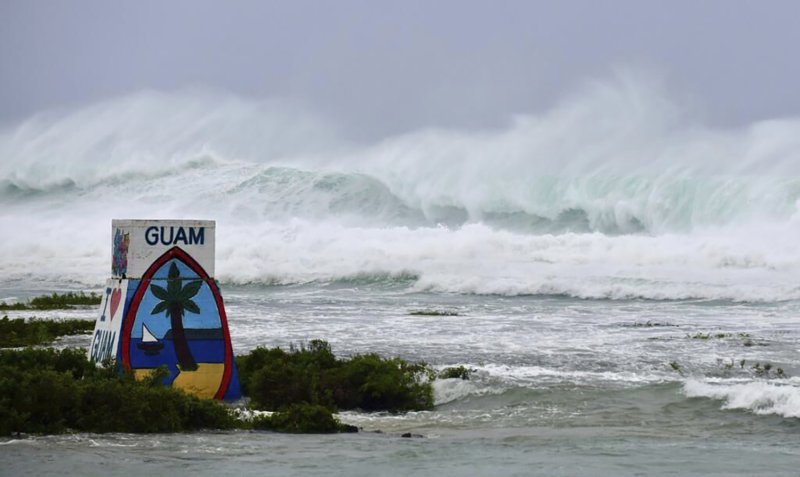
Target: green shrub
{"x": 65, "y": 300}
{"x": 302, "y": 419}
{"x": 21, "y": 332}
{"x": 69, "y": 360}
{"x": 274, "y": 378}
{"x": 372, "y": 383}
{"x": 50, "y": 391}
{"x": 55, "y": 301}
{"x": 455, "y": 372}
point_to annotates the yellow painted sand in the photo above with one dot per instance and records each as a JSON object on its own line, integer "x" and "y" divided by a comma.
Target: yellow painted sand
{"x": 203, "y": 383}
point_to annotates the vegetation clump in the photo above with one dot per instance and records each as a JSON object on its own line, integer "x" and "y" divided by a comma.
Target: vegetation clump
{"x": 55, "y": 301}
{"x": 20, "y": 332}
{"x": 50, "y": 391}
{"x": 676, "y": 366}
{"x": 302, "y": 419}
{"x": 47, "y": 391}
{"x": 433, "y": 313}
{"x": 708, "y": 336}
{"x": 765, "y": 370}
{"x": 274, "y": 378}
{"x": 459, "y": 372}
{"x": 651, "y": 324}
{"x": 757, "y": 369}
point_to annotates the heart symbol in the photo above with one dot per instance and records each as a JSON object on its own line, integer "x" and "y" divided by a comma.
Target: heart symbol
{"x": 116, "y": 295}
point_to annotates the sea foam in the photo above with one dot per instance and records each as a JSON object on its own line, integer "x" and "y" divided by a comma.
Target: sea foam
{"x": 613, "y": 193}
{"x": 760, "y": 397}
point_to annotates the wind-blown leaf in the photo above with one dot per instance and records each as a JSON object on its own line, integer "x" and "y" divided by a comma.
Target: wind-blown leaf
{"x": 190, "y": 305}
{"x": 159, "y": 308}
{"x": 191, "y": 290}
{"x": 159, "y": 292}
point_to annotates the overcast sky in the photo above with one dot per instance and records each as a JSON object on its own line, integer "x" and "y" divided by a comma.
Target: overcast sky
{"x": 381, "y": 67}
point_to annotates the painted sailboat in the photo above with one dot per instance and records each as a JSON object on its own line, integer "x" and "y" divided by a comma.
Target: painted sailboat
{"x": 149, "y": 344}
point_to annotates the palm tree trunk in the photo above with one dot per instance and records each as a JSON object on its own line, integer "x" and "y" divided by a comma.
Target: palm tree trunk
{"x": 182, "y": 351}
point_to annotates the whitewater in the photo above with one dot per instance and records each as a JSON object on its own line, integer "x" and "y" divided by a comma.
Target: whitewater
{"x": 615, "y": 272}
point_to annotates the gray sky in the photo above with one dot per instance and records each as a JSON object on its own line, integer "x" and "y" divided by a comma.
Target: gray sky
{"x": 380, "y": 67}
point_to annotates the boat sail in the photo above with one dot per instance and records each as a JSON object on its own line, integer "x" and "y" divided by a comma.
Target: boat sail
{"x": 149, "y": 344}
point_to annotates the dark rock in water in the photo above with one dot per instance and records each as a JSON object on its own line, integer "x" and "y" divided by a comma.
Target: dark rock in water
{"x": 410, "y": 435}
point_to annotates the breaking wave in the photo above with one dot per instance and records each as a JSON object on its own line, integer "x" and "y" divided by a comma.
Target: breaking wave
{"x": 613, "y": 193}
{"x": 758, "y": 397}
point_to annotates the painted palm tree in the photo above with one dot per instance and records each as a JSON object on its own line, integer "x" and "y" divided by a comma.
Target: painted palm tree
{"x": 176, "y": 300}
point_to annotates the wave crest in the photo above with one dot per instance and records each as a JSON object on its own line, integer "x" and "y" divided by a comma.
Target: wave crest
{"x": 758, "y": 397}
{"x": 613, "y": 193}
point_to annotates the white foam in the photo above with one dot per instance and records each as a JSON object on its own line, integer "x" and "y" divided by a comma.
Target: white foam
{"x": 618, "y": 152}
{"x": 760, "y": 397}
{"x": 454, "y": 389}
{"x": 533, "y": 375}
{"x": 612, "y": 194}
{"x": 470, "y": 259}
{"x": 148, "y": 134}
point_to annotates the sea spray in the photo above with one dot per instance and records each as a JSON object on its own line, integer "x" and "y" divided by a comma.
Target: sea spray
{"x": 150, "y": 133}
{"x": 614, "y": 193}
{"x": 614, "y": 157}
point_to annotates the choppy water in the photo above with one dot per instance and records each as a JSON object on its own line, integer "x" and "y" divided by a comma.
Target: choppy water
{"x": 561, "y": 387}
{"x": 585, "y": 251}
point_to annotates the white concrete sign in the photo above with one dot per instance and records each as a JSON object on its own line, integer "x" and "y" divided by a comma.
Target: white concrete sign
{"x": 136, "y": 244}
{"x": 105, "y": 339}
{"x": 163, "y": 308}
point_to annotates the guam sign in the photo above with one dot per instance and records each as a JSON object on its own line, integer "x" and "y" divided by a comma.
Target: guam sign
{"x": 162, "y": 307}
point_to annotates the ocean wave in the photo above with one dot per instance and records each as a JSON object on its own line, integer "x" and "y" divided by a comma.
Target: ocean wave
{"x": 150, "y": 133}
{"x": 612, "y": 205}
{"x": 456, "y": 389}
{"x": 477, "y": 259}
{"x": 366, "y": 279}
{"x": 760, "y": 397}
{"x": 611, "y": 194}
{"x": 616, "y": 157}
{"x": 747, "y": 265}
{"x": 526, "y": 376}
